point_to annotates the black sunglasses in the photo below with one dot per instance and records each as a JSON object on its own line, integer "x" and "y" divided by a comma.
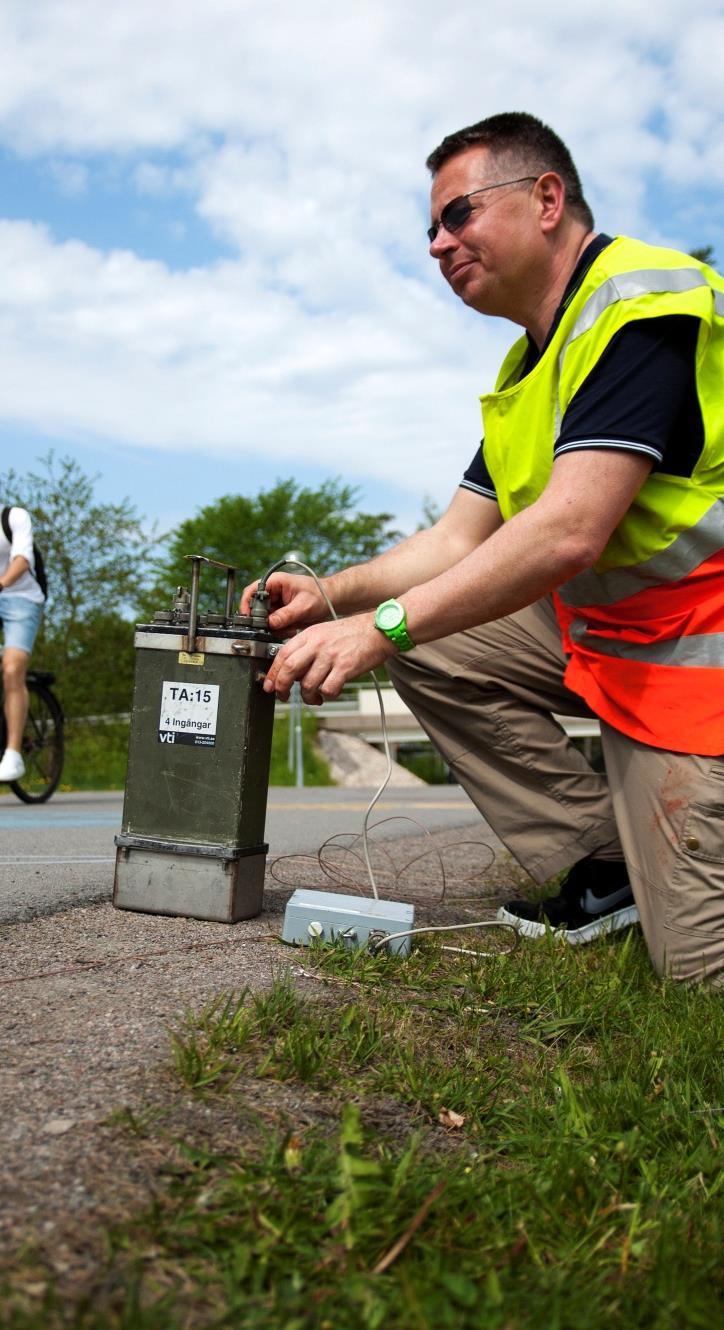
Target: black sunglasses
{"x": 456, "y": 212}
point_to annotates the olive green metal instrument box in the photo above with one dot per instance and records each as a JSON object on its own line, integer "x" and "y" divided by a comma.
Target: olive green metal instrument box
{"x": 192, "y": 840}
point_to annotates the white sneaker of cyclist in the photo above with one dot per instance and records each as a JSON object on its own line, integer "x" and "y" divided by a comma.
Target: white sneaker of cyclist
{"x": 12, "y": 766}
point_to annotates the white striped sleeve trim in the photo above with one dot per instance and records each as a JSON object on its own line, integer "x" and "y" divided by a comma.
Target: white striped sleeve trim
{"x": 621, "y": 445}
{"x": 478, "y": 489}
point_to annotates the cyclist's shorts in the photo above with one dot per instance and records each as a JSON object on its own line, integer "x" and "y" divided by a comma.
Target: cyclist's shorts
{"x": 20, "y": 620}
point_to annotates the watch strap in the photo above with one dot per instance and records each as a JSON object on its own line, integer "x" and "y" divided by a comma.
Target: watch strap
{"x": 398, "y": 635}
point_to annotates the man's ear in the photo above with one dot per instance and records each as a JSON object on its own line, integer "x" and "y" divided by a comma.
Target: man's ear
{"x": 549, "y": 193}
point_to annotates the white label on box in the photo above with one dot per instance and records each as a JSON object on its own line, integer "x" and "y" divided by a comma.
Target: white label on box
{"x": 188, "y": 713}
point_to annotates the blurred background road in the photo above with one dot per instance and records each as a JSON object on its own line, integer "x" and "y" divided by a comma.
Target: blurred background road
{"x": 57, "y": 855}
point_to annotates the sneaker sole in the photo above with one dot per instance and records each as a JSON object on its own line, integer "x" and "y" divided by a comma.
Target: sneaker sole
{"x": 608, "y": 923}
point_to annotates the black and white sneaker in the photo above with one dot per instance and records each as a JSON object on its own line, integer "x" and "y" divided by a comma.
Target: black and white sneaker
{"x": 595, "y": 899}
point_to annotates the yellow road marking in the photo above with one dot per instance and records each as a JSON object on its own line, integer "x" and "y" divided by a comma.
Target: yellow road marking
{"x": 359, "y": 806}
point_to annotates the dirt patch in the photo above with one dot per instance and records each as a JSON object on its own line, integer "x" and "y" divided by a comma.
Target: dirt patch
{"x": 88, "y": 997}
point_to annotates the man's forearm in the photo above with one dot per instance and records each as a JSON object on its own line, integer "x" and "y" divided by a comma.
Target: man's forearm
{"x": 499, "y": 578}
{"x": 364, "y": 585}
{"x": 560, "y": 535}
{"x": 421, "y": 557}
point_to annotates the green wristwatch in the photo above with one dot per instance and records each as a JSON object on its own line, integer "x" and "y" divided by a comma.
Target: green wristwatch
{"x": 390, "y": 619}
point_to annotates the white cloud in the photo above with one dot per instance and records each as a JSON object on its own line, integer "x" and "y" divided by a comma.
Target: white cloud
{"x": 71, "y": 177}
{"x": 120, "y": 348}
{"x": 298, "y": 134}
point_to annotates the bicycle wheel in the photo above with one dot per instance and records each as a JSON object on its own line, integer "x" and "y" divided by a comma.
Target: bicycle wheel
{"x": 42, "y": 747}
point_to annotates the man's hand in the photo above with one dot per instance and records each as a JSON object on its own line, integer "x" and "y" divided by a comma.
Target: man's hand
{"x": 295, "y": 602}
{"x": 325, "y": 657}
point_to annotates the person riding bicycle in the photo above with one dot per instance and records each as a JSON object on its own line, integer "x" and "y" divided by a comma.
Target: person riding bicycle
{"x": 21, "y": 610}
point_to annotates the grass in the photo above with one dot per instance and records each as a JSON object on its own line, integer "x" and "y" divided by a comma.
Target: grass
{"x": 581, "y": 1187}
{"x": 316, "y": 771}
{"x": 424, "y": 762}
{"x": 96, "y": 755}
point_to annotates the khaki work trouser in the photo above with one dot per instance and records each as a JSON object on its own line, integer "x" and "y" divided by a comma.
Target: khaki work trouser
{"x": 486, "y": 698}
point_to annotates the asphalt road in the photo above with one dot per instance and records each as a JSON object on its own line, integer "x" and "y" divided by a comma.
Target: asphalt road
{"x": 60, "y": 854}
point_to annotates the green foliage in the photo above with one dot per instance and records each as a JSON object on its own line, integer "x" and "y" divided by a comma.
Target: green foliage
{"x": 97, "y": 560}
{"x": 96, "y": 679}
{"x": 357, "y": 1177}
{"x": 101, "y": 578}
{"x": 96, "y": 755}
{"x": 204, "y": 1045}
{"x": 96, "y": 553}
{"x": 316, "y": 771}
{"x": 582, "y": 1187}
{"x": 424, "y": 761}
{"x": 705, "y": 254}
{"x": 253, "y": 532}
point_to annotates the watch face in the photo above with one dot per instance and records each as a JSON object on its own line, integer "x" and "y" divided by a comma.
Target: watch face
{"x": 389, "y": 616}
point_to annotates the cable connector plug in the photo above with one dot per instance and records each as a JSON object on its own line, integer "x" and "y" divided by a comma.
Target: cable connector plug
{"x": 259, "y": 607}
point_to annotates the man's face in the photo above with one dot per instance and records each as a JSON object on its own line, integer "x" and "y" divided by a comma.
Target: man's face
{"x": 488, "y": 261}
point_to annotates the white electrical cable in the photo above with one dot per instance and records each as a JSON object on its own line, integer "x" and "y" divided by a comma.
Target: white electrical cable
{"x": 378, "y": 943}
{"x": 436, "y": 928}
{"x": 297, "y": 563}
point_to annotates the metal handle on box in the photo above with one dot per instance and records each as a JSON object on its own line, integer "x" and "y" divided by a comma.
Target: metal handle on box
{"x": 196, "y": 561}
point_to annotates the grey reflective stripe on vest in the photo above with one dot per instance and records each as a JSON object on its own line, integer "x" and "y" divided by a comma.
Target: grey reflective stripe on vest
{"x": 631, "y": 285}
{"x": 628, "y": 286}
{"x": 679, "y": 559}
{"x": 705, "y": 650}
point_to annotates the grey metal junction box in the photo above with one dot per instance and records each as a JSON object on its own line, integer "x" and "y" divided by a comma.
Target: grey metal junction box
{"x": 192, "y": 839}
{"x": 323, "y": 916}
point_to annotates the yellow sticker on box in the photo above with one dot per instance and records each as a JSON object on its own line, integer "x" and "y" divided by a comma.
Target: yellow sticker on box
{"x": 191, "y": 658}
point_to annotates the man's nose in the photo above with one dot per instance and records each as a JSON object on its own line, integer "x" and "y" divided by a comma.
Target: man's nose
{"x": 442, "y": 244}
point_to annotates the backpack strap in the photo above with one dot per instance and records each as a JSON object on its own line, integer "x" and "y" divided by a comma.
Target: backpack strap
{"x": 5, "y": 519}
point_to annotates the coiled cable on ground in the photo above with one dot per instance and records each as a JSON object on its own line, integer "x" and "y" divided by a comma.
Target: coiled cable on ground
{"x": 377, "y": 944}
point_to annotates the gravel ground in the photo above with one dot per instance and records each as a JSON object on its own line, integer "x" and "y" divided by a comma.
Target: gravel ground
{"x": 88, "y": 997}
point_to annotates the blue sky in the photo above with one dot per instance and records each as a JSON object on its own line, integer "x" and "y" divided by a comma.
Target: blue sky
{"x": 212, "y": 224}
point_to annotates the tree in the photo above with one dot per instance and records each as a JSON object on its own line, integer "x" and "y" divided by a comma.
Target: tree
{"x": 252, "y": 533}
{"x": 97, "y": 558}
{"x": 431, "y": 513}
{"x": 705, "y": 254}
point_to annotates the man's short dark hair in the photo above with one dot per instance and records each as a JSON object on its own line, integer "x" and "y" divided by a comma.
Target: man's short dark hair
{"x": 527, "y": 145}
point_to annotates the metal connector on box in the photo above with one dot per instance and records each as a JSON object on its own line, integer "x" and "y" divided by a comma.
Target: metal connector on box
{"x": 325, "y": 916}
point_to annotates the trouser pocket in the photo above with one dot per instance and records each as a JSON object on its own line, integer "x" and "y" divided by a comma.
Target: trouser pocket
{"x": 696, "y": 899}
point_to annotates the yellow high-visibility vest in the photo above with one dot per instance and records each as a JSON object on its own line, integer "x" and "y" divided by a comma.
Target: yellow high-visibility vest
{"x": 644, "y": 627}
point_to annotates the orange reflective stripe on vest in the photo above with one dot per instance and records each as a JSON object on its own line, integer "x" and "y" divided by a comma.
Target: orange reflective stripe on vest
{"x": 636, "y": 646}
{"x": 645, "y": 700}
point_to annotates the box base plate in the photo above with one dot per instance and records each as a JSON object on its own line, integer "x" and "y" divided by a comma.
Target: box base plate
{"x": 223, "y": 890}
